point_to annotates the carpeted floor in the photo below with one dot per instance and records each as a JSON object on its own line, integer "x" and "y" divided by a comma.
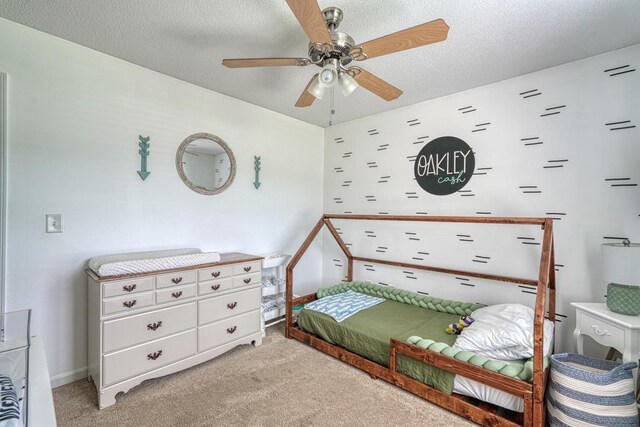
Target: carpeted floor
{"x": 281, "y": 383}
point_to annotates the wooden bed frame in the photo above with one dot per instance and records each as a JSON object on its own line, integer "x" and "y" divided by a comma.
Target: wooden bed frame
{"x": 479, "y": 412}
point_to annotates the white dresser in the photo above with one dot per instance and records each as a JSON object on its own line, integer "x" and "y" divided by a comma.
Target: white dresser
{"x": 152, "y": 324}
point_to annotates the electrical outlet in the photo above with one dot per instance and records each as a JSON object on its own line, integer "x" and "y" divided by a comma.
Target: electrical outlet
{"x": 54, "y": 223}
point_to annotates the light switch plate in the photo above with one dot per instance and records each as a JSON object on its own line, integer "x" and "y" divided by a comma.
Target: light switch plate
{"x": 54, "y": 223}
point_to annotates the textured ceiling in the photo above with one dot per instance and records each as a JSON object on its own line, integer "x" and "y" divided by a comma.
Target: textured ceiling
{"x": 489, "y": 40}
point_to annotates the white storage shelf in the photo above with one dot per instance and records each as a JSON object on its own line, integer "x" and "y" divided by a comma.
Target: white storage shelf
{"x": 273, "y": 265}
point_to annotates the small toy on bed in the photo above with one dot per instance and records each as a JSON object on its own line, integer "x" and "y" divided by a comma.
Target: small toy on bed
{"x": 456, "y": 328}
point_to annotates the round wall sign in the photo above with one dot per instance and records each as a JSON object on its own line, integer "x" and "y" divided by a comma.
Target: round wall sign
{"x": 444, "y": 165}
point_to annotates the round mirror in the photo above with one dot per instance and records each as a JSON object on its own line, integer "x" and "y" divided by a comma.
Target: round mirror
{"x": 206, "y": 164}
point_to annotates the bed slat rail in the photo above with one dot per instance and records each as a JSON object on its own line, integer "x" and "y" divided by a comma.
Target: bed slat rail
{"x": 533, "y": 394}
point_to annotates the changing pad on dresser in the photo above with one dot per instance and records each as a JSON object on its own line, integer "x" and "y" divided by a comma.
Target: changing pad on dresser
{"x": 142, "y": 262}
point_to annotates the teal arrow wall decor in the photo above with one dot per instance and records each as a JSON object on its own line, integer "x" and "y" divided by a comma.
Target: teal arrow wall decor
{"x": 256, "y": 167}
{"x": 144, "y": 153}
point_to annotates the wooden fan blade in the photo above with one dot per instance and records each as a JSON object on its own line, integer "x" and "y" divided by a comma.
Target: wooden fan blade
{"x": 375, "y": 84}
{"x": 306, "y": 98}
{"x": 310, "y": 18}
{"x": 265, "y": 62}
{"x": 420, "y": 35}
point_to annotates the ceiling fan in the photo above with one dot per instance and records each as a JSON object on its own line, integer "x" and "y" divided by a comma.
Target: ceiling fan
{"x": 333, "y": 51}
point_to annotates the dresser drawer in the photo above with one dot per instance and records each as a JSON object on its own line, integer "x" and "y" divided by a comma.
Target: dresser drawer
{"x": 140, "y": 328}
{"x": 147, "y": 357}
{"x": 247, "y": 267}
{"x": 214, "y": 273}
{"x": 214, "y": 286}
{"x": 127, "y": 302}
{"x": 126, "y": 287}
{"x": 225, "y": 331}
{"x": 603, "y": 332}
{"x": 246, "y": 280}
{"x": 175, "y": 294}
{"x": 218, "y": 308}
{"x": 176, "y": 279}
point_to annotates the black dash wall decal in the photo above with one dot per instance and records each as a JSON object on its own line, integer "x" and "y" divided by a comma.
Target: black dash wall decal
{"x": 616, "y": 71}
{"x": 481, "y": 126}
{"x": 534, "y": 140}
{"x": 369, "y": 234}
{"x": 529, "y": 292}
{"x": 382, "y": 249}
{"x": 422, "y": 213}
{"x": 372, "y": 164}
{"x": 337, "y": 200}
{"x": 412, "y": 195}
{"x": 466, "y": 110}
{"x": 338, "y": 140}
{"x": 347, "y": 183}
{"x": 338, "y": 170}
{"x": 559, "y": 266}
{"x": 462, "y": 278}
{"x": 483, "y": 213}
{"x": 423, "y": 293}
{"x": 412, "y": 236}
{"x": 554, "y": 164}
{"x": 621, "y": 182}
{"x": 615, "y": 238}
{"x": 530, "y": 189}
{"x": 482, "y": 171}
{"x": 347, "y": 212}
{"x": 413, "y": 122}
{"x": 556, "y": 215}
{"x": 383, "y": 284}
{"x": 384, "y": 179}
{"x": 383, "y": 213}
{"x": 373, "y": 132}
{"x": 383, "y": 147}
{"x": 412, "y": 158}
{"x": 369, "y": 267}
{"x": 370, "y": 198}
{"x": 348, "y": 154}
{"x": 421, "y": 140}
{"x": 530, "y": 93}
{"x": 464, "y": 237}
{"x": 551, "y": 111}
{"x": 528, "y": 241}
{"x": 466, "y": 193}
{"x": 625, "y": 124}
{"x": 481, "y": 259}
{"x": 471, "y": 285}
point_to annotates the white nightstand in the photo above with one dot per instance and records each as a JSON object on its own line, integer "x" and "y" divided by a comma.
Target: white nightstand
{"x": 609, "y": 329}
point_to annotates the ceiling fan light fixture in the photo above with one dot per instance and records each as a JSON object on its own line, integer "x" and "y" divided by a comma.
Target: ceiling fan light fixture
{"x": 329, "y": 74}
{"x": 316, "y": 88}
{"x": 347, "y": 84}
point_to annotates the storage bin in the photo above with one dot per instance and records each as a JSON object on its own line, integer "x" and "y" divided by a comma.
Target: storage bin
{"x": 587, "y": 391}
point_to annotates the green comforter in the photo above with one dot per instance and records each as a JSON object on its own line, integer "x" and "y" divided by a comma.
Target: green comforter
{"x": 368, "y": 332}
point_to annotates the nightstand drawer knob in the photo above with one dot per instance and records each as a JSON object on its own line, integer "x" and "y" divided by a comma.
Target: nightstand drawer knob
{"x": 597, "y": 331}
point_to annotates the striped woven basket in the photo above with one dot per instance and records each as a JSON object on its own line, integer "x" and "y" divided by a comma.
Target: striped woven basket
{"x": 591, "y": 392}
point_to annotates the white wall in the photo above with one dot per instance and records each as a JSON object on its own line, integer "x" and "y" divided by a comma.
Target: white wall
{"x": 369, "y": 170}
{"x": 74, "y": 120}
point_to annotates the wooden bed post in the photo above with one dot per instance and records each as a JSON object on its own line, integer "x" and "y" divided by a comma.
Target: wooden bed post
{"x": 544, "y": 275}
{"x": 292, "y": 264}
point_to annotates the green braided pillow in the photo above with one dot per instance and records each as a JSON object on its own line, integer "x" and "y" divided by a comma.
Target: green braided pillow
{"x": 396, "y": 294}
{"x": 513, "y": 370}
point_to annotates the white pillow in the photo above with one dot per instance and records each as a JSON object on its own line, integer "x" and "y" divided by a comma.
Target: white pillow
{"x": 503, "y": 332}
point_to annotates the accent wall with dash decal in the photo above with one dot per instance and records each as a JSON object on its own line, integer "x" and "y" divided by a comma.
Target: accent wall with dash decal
{"x": 562, "y": 143}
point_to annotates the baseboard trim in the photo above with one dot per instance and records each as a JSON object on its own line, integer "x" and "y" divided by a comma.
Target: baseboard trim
{"x": 68, "y": 377}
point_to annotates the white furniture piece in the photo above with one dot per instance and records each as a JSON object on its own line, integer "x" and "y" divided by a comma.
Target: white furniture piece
{"x": 608, "y": 329}
{"x": 152, "y": 324}
{"x": 41, "y": 410}
{"x": 274, "y": 264}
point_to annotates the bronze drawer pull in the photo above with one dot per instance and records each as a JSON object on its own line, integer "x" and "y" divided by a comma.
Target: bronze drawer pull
{"x": 231, "y": 330}
{"x": 129, "y": 304}
{"x": 247, "y": 269}
{"x": 154, "y": 355}
{"x": 176, "y": 294}
{"x": 247, "y": 280}
{"x": 154, "y": 326}
{"x": 176, "y": 280}
{"x": 215, "y": 287}
{"x": 215, "y": 273}
{"x": 232, "y": 305}
{"x": 128, "y": 288}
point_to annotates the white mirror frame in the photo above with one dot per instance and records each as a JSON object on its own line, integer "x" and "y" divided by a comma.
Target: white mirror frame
{"x": 180, "y": 167}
